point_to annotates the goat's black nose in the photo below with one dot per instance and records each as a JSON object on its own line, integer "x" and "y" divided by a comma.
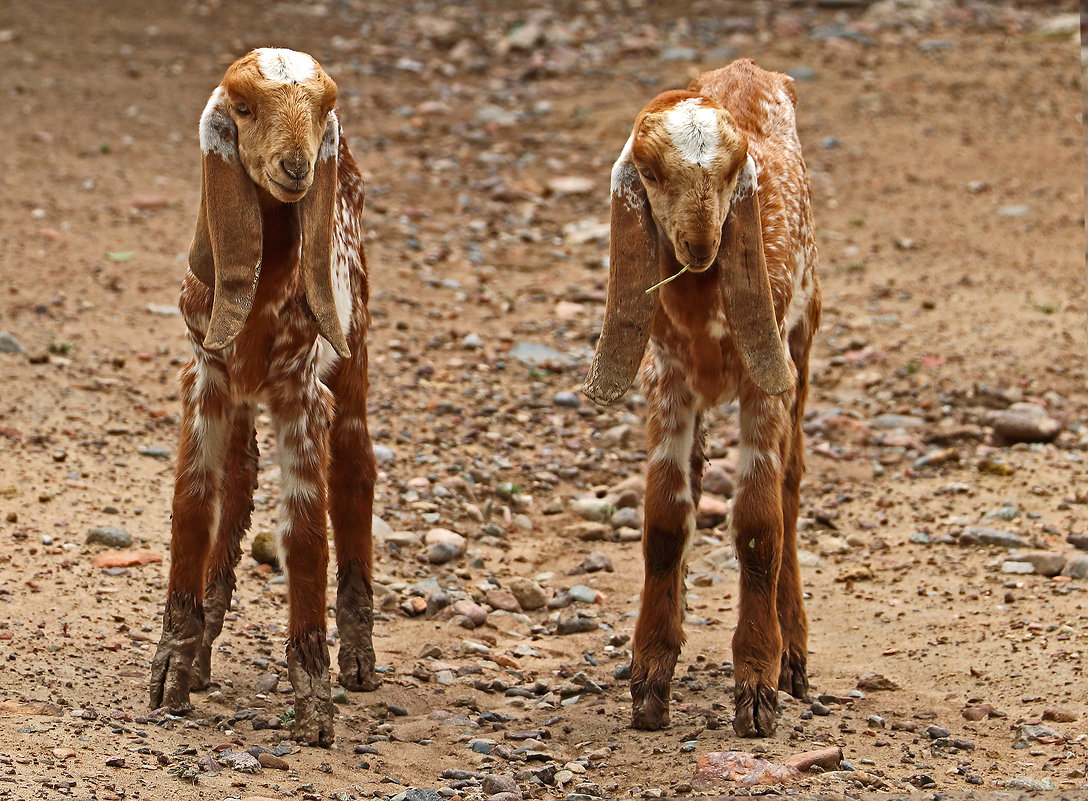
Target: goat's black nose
{"x": 296, "y": 170}
{"x": 700, "y": 249}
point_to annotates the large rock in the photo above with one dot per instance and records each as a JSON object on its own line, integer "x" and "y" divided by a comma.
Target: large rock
{"x": 265, "y": 549}
{"x": 1046, "y": 563}
{"x": 110, "y": 536}
{"x": 712, "y": 512}
{"x": 1076, "y": 567}
{"x": 443, "y": 545}
{"x": 1023, "y": 422}
{"x": 977, "y": 535}
{"x": 528, "y": 593}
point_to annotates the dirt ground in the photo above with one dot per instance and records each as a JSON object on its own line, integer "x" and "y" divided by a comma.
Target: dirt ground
{"x": 944, "y": 145}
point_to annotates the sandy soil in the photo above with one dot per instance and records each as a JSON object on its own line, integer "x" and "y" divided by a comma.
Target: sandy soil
{"x": 946, "y": 159}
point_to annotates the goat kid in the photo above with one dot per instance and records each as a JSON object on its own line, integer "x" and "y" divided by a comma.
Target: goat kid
{"x": 276, "y": 260}
{"x": 712, "y": 179}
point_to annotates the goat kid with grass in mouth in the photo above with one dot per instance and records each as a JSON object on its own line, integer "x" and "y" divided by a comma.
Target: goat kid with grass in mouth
{"x": 713, "y": 266}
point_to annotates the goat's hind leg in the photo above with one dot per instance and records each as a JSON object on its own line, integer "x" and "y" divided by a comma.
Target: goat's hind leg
{"x": 352, "y": 473}
{"x": 195, "y": 514}
{"x": 236, "y": 496}
{"x": 669, "y": 524}
{"x": 793, "y": 623}
{"x": 302, "y": 434}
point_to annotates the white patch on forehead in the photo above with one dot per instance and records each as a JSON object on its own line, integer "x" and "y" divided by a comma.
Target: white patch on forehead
{"x": 285, "y": 66}
{"x": 693, "y": 129}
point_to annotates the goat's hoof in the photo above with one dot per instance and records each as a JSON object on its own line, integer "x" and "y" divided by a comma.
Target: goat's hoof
{"x": 756, "y": 708}
{"x": 650, "y": 715}
{"x": 359, "y": 682}
{"x": 202, "y": 670}
{"x": 357, "y": 670}
{"x": 169, "y": 682}
{"x": 793, "y": 675}
{"x": 313, "y": 722}
{"x": 650, "y": 707}
{"x": 308, "y": 669}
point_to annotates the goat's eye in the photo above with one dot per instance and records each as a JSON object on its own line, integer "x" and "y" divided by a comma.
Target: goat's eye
{"x": 648, "y": 176}
{"x": 242, "y": 109}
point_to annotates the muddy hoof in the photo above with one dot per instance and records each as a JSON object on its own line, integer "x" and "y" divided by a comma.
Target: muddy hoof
{"x": 756, "y": 708}
{"x": 313, "y": 721}
{"x": 650, "y": 714}
{"x": 650, "y": 710}
{"x": 793, "y": 676}
{"x": 170, "y": 681}
{"x": 172, "y": 665}
{"x": 308, "y": 670}
{"x": 358, "y": 680}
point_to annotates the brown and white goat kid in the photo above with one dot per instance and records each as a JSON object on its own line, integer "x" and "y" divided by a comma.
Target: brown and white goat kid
{"x": 712, "y": 179}
{"x": 276, "y": 260}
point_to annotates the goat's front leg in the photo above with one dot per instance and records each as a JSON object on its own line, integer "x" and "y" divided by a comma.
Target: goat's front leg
{"x": 669, "y": 524}
{"x": 301, "y": 417}
{"x": 239, "y": 481}
{"x": 352, "y": 473}
{"x": 757, "y": 523}
{"x": 195, "y": 517}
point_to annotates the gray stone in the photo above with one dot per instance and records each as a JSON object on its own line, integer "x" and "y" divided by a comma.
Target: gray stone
{"x": 717, "y": 481}
{"x": 977, "y": 535}
{"x": 1017, "y": 568}
{"x": 594, "y": 563}
{"x": 154, "y": 452}
{"x": 472, "y": 341}
{"x": 1023, "y": 422}
{"x": 418, "y": 794}
{"x": 9, "y": 344}
{"x": 1005, "y": 513}
{"x": 1046, "y": 563}
{"x": 566, "y": 399}
{"x": 626, "y": 517}
{"x": 679, "y": 54}
{"x": 1031, "y": 733}
{"x": 893, "y": 421}
{"x": 443, "y": 545}
{"x": 242, "y": 761}
{"x": 1077, "y": 567}
{"x": 595, "y": 510}
{"x": 383, "y": 455}
{"x": 576, "y": 625}
{"x": 1029, "y": 784}
{"x": 529, "y": 594}
{"x": 110, "y": 536}
{"x": 533, "y": 354}
{"x": 583, "y": 594}
{"x": 499, "y": 783}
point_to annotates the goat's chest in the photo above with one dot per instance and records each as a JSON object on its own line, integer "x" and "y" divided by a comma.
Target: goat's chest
{"x": 691, "y": 330}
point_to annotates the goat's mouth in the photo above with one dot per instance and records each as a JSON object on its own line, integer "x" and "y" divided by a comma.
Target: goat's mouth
{"x": 288, "y": 191}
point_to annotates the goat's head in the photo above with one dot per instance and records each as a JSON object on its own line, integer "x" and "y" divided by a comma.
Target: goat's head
{"x": 684, "y": 195}
{"x": 268, "y": 129}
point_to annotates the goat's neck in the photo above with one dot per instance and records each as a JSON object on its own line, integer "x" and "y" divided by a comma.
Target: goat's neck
{"x": 693, "y": 299}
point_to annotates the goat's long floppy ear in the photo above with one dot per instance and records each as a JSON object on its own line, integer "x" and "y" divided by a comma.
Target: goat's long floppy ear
{"x": 632, "y": 269}
{"x": 747, "y": 289}
{"x": 226, "y": 250}
{"x": 316, "y": 216}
